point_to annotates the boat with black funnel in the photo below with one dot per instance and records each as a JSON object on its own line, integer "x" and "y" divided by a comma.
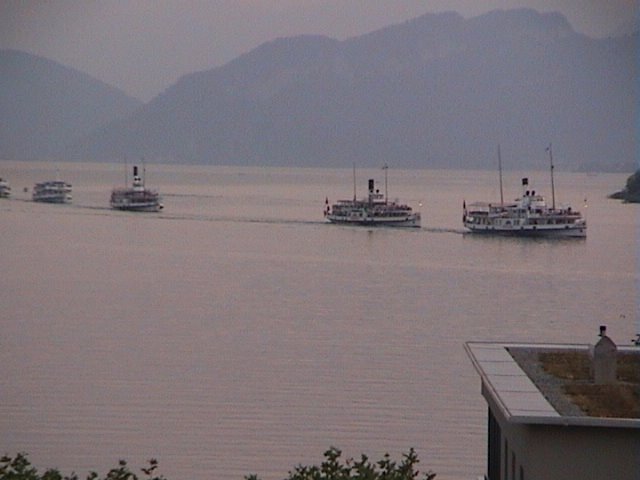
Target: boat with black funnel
{"x": 529, "y": 215}
{"x": 374, "y": 210}
{"x": 136, "y": 198}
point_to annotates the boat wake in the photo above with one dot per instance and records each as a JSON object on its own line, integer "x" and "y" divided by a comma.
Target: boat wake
{"x": 233, "y": 219}
{"x": 458, "y": 231}
{"x": 190, "y": 195}
{"x": 87, "y": 209}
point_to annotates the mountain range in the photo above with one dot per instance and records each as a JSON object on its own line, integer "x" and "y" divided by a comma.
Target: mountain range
{"x": 439, "y": 91}
{"x": 46, "y": 106}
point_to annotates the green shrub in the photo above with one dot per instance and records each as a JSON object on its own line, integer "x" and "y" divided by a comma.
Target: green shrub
{"x": 19, "y": 468}
{"x": 333, "y": 468}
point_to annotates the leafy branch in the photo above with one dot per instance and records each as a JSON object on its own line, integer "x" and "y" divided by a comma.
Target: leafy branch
{"x": 20, "y": 468}
{"x": 333, "y": 468}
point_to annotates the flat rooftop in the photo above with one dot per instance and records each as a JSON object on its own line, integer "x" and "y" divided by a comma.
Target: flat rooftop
{"x": 551, "y": 384}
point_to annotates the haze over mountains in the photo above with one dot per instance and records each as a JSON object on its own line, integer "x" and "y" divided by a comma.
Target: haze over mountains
{"x": 46, "y": 106}
{"x": 437, "y": 91}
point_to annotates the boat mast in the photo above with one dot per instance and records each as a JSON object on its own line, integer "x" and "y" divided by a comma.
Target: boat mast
{"x": 385, "y": 167}
{"x": 354, "y": 181}
{"x": 553, "y": 192}
{"x": 500, "y": 171}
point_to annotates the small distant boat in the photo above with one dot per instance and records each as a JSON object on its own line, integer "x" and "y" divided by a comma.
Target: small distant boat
{"x": 374, "y": 210}
{"x": 5, "y": 189}
{"x": 528, "y": 215}
{"x": 138, "y": 198}
{"x": 52, "y": 191}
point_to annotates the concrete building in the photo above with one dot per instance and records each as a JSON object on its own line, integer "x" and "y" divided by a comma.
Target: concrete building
{"x": 547, "y": 417}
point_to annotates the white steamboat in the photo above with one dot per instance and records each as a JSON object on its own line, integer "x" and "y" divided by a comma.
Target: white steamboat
{"x": 528, "y": 215}
{"x": 373, "y": 210}
{"x": 52, "y": 191}
{"x": 5, "y": 189}
{"x": 137, "y": 198}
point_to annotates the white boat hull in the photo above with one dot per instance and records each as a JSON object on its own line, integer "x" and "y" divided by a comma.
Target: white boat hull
{"x": 575, "y": 231}
{"x": 53, "y": 198}
{"x": 137, "y": 207}
{"x": 410, "y": 221}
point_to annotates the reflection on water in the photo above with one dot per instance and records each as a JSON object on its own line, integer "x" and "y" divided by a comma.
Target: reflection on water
{"x": 235, "y": 332}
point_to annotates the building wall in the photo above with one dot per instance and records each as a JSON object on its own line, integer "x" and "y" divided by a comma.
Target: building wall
{"x": 553, "y": 452}
{"x": 556, "y": 452}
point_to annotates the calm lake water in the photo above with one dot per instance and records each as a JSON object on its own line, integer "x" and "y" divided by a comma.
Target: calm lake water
{"x": 235, "y": 332}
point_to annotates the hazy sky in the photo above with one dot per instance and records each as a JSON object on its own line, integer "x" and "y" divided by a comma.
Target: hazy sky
{"x": 144, "y": 46}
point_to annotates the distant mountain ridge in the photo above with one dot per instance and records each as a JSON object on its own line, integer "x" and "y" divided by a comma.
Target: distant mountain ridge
{"x": 436, "y": 91}
{"x": 46, "y": 106}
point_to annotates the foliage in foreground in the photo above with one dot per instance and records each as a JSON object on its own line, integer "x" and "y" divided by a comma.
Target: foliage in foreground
{"x": 19, "y": 468}
{"x": 332, "y": 468}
